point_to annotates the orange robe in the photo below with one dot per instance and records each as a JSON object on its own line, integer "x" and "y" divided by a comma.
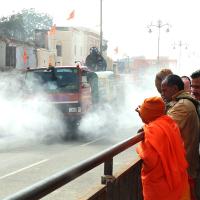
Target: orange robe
{"x": 164, "y": 170}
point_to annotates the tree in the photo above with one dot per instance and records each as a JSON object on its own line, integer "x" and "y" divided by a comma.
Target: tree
{"x": 21, "y": 26}
{"x": 12, "y": 27}
{"x": 33, "y": 20}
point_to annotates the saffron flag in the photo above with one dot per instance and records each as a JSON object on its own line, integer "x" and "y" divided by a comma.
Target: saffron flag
{"x": 25, "y": 56}
{"x": 52, "y": 30}
{"x": 71, "y": 15}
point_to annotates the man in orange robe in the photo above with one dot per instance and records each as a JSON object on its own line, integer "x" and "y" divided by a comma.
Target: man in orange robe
{"x": 164, "y": 170}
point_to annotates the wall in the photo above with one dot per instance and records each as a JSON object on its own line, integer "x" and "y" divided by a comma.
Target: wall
{"x": 43, "y": 57}
{"x": 75, "y": 43}
{"x": 31, "y": 57}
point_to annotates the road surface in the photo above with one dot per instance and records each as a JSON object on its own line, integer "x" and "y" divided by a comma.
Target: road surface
{"x": 26, "y": 163}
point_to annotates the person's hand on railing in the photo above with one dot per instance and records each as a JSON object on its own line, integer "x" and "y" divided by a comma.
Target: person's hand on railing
{"x": 140, "y": 130}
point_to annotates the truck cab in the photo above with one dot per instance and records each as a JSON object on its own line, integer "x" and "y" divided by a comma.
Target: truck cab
{"x": 67, "y": 88}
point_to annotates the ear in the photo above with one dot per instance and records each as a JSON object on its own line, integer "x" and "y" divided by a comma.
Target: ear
{"x": 175, "y": 88}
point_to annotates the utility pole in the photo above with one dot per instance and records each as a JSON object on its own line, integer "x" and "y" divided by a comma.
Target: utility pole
{"x": 101, "y": 32}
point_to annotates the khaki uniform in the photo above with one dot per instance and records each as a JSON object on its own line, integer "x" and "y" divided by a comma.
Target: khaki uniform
{"x": 184, "y": 113}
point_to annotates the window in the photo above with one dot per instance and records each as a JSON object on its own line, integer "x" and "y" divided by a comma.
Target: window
{"x": 59, "y": 50}
{"x": 57, "y": 80}
{"x": 10, "y": 56}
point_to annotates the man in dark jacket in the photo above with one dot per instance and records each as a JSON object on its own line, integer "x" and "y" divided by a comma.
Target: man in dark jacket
{"x": 95, "y": 61}
{"x": 195, "y": 86}
{"x": 195, "y": 90}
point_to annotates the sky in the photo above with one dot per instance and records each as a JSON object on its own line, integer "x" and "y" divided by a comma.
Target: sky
{"x": 125, "y": 24}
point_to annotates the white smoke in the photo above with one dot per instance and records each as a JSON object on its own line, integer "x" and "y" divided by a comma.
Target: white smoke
{"x": 23, "y": 118}
{"x": 26, "y": 119}
{"x": 120, "y": 115}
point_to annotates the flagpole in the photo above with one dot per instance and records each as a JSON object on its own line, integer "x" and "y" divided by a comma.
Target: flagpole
{"x": 101, "y": 33}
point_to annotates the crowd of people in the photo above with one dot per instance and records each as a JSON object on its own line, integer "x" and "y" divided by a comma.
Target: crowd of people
{"x": 170, "y": 150}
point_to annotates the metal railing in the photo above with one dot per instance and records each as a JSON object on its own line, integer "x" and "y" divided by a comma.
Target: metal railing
{"x": 50, "y": 184}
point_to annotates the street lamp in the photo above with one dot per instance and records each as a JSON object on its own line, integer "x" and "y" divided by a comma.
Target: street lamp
{"x": 127, "y": 63}
{"x": 180, "y": 44}
{"x": 101, "y": 32}
{"x": 159, "y": 25}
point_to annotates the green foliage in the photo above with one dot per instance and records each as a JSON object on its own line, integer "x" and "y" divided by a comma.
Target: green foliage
{"x": 21, "y": 26}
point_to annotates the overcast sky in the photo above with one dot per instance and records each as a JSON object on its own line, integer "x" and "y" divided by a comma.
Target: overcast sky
{"x": 125, "y": 23}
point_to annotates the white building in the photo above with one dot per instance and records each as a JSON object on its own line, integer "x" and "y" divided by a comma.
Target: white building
{"x": 16, "y": 54}
{"x": 65, "y": 45}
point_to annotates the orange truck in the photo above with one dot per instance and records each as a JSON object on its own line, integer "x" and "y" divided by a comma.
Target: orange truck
{"x": 74, "y": 90}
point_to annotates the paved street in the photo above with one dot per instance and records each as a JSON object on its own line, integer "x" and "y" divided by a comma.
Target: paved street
{"x": 28, "y": 163}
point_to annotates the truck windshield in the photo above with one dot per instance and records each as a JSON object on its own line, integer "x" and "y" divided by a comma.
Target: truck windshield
{"x": 54, "y": 80}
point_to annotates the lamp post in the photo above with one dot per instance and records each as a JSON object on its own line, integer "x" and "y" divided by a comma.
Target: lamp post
{"x": 101, "y": 32}
{"x": 159, "y": 25}
{"x": 180, "y": 44}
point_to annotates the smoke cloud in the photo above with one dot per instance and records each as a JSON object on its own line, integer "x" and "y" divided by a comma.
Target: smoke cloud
{"x": 26, "y": 119}
{"x": 119, "y": 116}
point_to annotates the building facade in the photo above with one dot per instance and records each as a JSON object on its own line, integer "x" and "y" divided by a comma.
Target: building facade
{"x": 65, "y": 45}
{"x": 16, "y": 54}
